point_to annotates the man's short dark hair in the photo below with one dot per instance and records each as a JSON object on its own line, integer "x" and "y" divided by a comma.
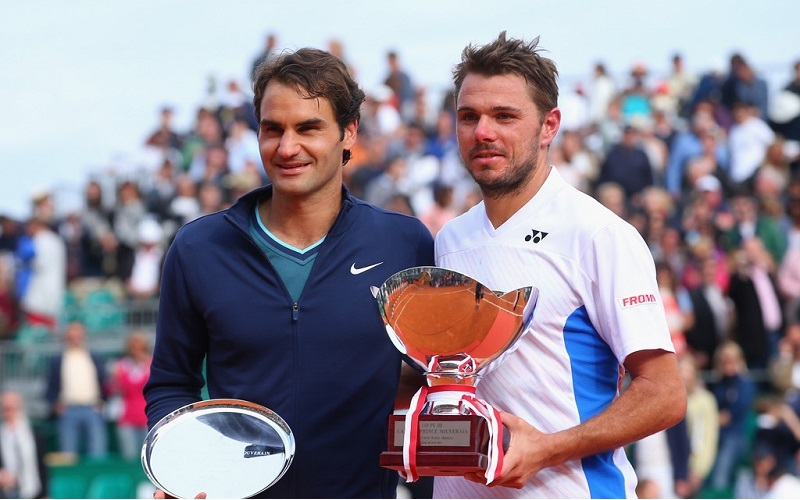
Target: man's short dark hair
{"x": 512, "y": 56}
{"x": 316, "y": 74}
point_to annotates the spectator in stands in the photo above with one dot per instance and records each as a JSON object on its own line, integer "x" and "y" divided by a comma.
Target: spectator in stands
{"x": 42, "y": 257}
{"x": 242, "y": 146}
{"x": 681, "y": 84}
{"x": 8, "y": 302}
{"x": 442, "y": 140}
{"x": 442, "y": 209}
{"x": 213, "y": 167}
{"x": 23, "y": 473}
{"x": 72, "y": 233}
{"x": 784, "y": 369}
{"x": 702, "y": 423}
{"x": 789, "y": 267}
{"x": 76, "y": 393}
{"x": 759, "y": 315}
{"x": 234, "y": 105}
{"x": 734, "y": 391}
{"x": 702, "y": 223}
{"x": 336, "y": 47}
{"x": 602, "y": 91}
{"x": 612, "y": 196}
{"x": 580, "y": 167}
{"x": 711, "y": 307}
{"x": 775, "y": 446}
{"x": 10, "y": 232}
{"x": 749, "y": 140}
{"x": 185, "y": 206}
{"x": 99, "y": 242}
{"x": 749, "y": 221}
{"x": 381, "y": 117}
{"x": 671, "y": 250}
{"x": 43, "y": 208}
{"x": 636, "y": 97}
{"x": 211, "y": 197}
{"x": 784, "y": 117}
{"x": 382, "y": 188}
{"x": 270, "y": 50}
{"x": 627, "y": 165}
{"x": 160, "y": 190}
{"x": 148, "y": 257}
{"x": 128, "y": 377}
{"x": 754, "y": 482}
{"x": 127, "y": 214}
{"x": 400, "y": 82}
{"x": 744, "y": 85}
{"x": 164, "y": 137}
{"x": 688, "y": 144}
{"x": 663, "y": 457}
{"x": 207, "y": 132}
{"x": 704, "y": 171}
{"x": 773, "y": 175}
{"x": 677, "y": 306}
{"x": 422, "y": 168}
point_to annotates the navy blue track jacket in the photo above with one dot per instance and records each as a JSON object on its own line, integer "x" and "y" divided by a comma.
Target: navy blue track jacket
{"x": 325, "y": 364}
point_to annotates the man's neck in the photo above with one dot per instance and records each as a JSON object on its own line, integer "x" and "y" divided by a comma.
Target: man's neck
{"x": 300, "y": 222}
{"x": 501, "y": 208}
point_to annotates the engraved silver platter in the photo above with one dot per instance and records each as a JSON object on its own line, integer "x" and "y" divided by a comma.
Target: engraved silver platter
{"x": 226, "y": 448}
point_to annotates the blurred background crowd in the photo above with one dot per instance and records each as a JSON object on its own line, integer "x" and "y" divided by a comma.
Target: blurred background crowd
{"x": 705, "y": 165}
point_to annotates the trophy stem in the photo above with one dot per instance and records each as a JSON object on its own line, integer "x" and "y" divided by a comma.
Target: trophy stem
{"x": 446, "y": 399}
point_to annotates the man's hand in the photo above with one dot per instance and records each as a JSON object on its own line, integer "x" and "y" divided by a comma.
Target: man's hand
{"x": 525, "y": 457}
{"x": 160, "y": 495}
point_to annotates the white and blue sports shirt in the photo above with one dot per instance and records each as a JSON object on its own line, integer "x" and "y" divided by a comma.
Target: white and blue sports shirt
{"x": 598, "y": 303}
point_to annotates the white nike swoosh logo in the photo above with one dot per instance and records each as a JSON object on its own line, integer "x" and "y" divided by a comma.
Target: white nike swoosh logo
{"x": 359, "y": 270}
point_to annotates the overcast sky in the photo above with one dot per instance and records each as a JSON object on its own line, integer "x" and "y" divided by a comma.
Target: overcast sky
{"x": 81, "y": 82}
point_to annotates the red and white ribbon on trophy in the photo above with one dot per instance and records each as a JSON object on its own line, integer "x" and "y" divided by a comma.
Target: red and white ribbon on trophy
{"x": 466, "y": 396}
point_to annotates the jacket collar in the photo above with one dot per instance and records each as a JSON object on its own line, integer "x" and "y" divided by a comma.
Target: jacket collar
{"x": 239, "y": 213}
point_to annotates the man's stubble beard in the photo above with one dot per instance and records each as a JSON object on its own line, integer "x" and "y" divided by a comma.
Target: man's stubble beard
{"x": 513, "y": 181}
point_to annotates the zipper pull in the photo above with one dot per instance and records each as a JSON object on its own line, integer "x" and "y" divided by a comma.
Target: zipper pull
{"x": 295, "y": 311}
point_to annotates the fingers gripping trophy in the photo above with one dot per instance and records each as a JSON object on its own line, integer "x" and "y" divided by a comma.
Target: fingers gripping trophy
{"x": 455, "y": 330}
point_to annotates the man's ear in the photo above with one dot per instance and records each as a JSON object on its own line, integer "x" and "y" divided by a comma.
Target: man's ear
{"x": 550, "y": 126}
{"x": 350, "y": 134}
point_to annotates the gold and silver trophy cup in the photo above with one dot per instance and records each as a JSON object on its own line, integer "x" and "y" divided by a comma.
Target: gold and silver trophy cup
{"x": 453, "y": 328}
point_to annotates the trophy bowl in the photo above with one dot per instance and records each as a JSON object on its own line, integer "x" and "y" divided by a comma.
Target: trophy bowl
{"x": 227, "y": 448}
{"x": 453, "y": 328}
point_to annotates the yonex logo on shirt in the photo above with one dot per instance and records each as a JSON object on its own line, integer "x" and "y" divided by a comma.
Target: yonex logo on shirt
{"x": 637, "y": 300}
{"x": 536, "y": 236}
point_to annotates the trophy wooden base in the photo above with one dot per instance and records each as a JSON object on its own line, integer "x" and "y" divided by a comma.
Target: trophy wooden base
{"x": 449, "y": 445}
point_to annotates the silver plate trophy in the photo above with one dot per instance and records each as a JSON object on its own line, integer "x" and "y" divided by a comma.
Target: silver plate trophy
{"x": 453, "y": 327}
{"x": 227, "y": 448}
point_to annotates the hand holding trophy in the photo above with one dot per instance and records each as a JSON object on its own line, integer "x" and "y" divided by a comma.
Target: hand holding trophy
{"x": 453, "y": 328}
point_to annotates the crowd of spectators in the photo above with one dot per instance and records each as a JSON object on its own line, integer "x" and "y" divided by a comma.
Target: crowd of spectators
{"x": 706, "y": 166}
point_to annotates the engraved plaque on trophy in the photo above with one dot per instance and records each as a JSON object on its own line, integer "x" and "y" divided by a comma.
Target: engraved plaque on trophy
{"x": 453, "y": 328}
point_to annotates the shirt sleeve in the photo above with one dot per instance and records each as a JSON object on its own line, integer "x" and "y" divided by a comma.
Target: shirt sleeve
{"x": 628, "y": 310}
{"x": 176, "y": 376}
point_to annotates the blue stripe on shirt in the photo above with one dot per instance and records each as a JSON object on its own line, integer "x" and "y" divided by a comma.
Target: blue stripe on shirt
{"x": 595, "y": 375}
